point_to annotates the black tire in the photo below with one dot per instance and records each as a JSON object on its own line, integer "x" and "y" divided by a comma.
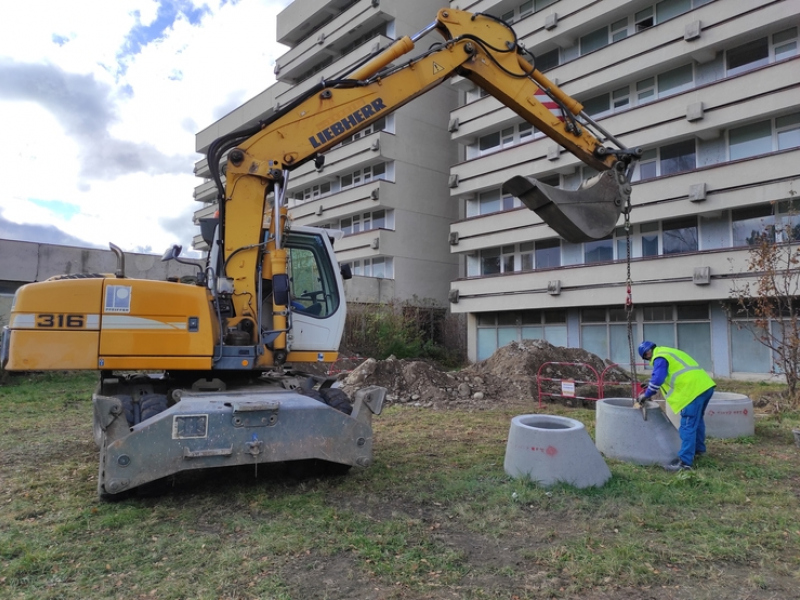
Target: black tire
{"x": 336, "y": 398}
{"x": 127, "y": 408}
{"x": 151, "y": 404}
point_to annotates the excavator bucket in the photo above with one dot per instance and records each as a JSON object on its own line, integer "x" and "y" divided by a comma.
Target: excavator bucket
{"x": 589, "y": 213}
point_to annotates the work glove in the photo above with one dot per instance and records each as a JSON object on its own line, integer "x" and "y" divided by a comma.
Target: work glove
{"x": 641, "y": 398}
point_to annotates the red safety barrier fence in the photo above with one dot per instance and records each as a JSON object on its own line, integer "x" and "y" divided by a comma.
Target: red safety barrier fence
{"x": 568, "y": 385}
{"x": 638, "y": 386}
{"x": 334, "y": 370}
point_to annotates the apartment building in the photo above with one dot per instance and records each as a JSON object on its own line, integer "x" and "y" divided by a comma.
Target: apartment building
{"x": 386, "y": 186}
{"x": 707, "y": 88}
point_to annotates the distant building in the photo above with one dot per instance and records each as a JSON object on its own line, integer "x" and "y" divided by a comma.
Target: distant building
{"x": 26, "y": 262}
{"x": 709, "y": 89}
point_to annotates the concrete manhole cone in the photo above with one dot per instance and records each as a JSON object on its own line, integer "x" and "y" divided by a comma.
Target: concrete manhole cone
{"x": 728, "y": 415}
{"x": 550, "y": 449}
{"x": 623, "y": 433}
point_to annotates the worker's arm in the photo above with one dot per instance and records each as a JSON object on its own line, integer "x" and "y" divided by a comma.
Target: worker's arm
{"x": 657, "y": 378}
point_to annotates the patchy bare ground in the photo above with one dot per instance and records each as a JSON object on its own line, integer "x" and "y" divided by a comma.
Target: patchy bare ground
{"x": 518, "y": 371}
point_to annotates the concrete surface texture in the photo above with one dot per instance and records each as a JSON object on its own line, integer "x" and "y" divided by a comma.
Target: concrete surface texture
{"x": 728, "y": 415}
{"x": 550, "y": 449}
{"x": 622, "y": 433}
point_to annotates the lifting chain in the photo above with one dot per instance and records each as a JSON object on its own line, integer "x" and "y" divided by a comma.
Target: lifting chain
{"x": 629, "y": 312}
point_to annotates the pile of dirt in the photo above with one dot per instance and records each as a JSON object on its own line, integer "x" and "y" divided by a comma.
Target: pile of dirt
{"x": 508, "y": 376}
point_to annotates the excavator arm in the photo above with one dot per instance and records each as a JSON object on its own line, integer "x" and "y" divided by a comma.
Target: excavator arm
{"x": 475, "y": 46}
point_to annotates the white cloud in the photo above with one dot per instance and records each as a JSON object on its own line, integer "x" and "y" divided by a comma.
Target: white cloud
{"x": 119, "y": 143}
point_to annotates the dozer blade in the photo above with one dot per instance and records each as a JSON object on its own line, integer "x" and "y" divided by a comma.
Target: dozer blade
{"x": 589, "y": 213}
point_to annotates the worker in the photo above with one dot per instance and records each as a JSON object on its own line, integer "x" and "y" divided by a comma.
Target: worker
{"x": 687, "y": 388}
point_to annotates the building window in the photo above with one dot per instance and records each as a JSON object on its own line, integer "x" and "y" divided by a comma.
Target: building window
{"x": 643, "y": 19}
{"x": 598, "y": 251}
{"x": 362, "y": 176}
{"x": 594, "y": 41}
{"x": 650, "y": 238}
{"x": 788, "y": 131}
{"x": 548, "y": 60}
{"x": 597, "y": 106}
{"x": 498, "y": 329}
{"x": 511, "y": 258}
{"x": 680, "y": 235}
{"x": 378, "y": 219}
{"x": 677, "y": 158}
{"x": 750, "y": 224}
{"x": 379, "y": 125}
{"x": 604, "y": 332}
{"x": 547, "y": 253}
{"x": 489, "y": 202}
{"x": 760, "y": 52}
{"x": 675, "y": 80}
{"x": 505, "y": 138}
{"x": 667, "y": 160}
{"x": 379, "y": 267}
{"x": 757, "y": 138}
{"x": 525, "y": 9}
{"x": 784, "y": 43}
{"x": 685, "y": 326}
{"x": 312, "y": 193}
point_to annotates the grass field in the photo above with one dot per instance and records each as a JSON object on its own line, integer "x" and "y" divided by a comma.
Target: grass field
{"x": 434, "y": 517}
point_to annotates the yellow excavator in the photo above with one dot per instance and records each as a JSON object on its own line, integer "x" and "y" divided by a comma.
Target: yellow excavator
{"x": 198, "y": 375}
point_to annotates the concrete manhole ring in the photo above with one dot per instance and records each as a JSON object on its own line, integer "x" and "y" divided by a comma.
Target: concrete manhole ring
{"x": 550, "y": 449}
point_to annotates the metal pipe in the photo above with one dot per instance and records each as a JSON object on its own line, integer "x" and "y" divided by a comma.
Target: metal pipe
{"x": 423, "y": 32}
{"x": 594, "y": 124}
{"x": 120, "y": 272}
{"x": 280, "y": 197}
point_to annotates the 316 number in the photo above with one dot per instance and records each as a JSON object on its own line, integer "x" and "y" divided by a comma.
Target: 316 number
{"x": 60, "y": 321}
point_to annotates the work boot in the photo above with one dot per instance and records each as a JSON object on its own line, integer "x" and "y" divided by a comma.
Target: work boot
{"x": 677, "y": 465}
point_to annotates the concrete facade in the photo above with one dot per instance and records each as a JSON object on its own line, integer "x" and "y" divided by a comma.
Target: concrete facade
{"x": 707, "y": 88}
{"x": 385, "y": 186}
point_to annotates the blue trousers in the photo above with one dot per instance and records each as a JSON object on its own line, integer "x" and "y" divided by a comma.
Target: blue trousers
{"x": 693, "y": 427}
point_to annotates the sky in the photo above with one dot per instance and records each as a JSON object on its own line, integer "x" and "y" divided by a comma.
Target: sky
{"x": 99, "y": 105}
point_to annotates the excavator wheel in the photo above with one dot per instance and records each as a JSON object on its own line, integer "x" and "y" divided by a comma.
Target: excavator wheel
{"x": 333, "y": 397}
{"x": 151, "y": 404}
{"x": 336, "y": 398}
{"x": 127, "y": 407}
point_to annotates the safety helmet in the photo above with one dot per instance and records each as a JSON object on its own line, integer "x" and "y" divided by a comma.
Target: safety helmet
{"x": 645, "y": 346}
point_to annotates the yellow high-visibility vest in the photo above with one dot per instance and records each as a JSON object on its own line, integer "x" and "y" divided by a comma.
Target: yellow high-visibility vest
{"x": 685, "y": 381}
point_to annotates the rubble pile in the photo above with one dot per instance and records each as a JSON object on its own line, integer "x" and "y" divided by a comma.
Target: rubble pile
{"x": 508, "y": 376}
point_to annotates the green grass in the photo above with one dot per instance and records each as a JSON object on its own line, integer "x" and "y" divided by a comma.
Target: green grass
{"x": 434, "y": 517}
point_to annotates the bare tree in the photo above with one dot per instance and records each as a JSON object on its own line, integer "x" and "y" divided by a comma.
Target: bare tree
{"x": 768, "y": 303}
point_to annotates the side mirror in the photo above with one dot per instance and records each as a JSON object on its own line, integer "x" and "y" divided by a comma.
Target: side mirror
{"x": 346, "y": 271}
{"x": 280, "y": 289}
{"x": 172, "y": 253}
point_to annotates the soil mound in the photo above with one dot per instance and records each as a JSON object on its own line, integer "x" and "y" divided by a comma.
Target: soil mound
{"x": 508, "y": 376}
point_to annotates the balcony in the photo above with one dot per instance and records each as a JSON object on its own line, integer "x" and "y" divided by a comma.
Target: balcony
{"x": 369, "y": 289}
{"x": 728, "y": 186}
{"x": 332, "y": 38}
{"x": 643, "y": 54}
{"x": 374, "y": 147}
{"x": 206, "y": 192}
{"x": 290, "y": 91}
{"x": 725, "y": 103}
{"x": 663, "y": 279}
{"x": 331, "y": 208}
{"x": 365, "y": 244}
{"x": 299, "y": 18}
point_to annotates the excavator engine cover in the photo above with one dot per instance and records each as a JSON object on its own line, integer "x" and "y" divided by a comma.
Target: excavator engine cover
{"x": 589, "y": 213}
